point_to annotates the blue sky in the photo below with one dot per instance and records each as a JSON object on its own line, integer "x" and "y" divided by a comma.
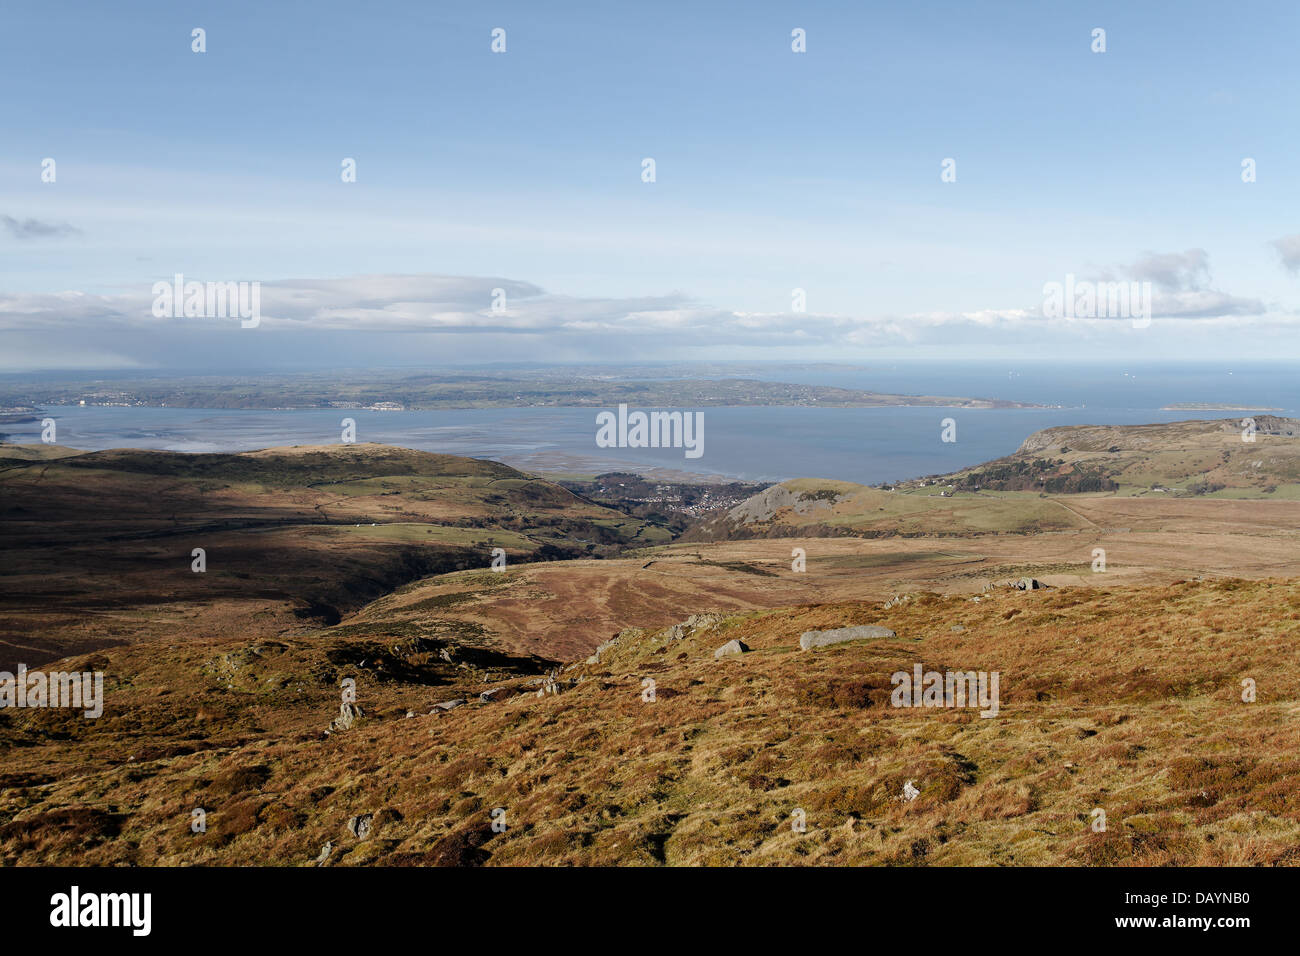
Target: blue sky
{"x": 775, "y": 171}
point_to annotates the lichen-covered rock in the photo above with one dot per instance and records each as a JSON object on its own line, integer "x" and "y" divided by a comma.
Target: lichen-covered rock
{"x": 811, "y": 639}
{"x": 731, "y": 649}
{"x": 349, "y": 714}
{"x": 707, "y": 619}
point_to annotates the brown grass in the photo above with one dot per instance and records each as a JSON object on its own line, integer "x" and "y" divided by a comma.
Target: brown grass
{"x": 1126, "y": 699}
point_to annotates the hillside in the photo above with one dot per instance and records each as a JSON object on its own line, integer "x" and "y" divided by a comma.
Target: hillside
{"x": 824, "y": 508}
{"x": 1178, "y": 458}
{"x": 521, "y": 690}
{"x": 1121, "y": 699}
{"x": 1036, "y": 489}
{"x": 96, "y": 548}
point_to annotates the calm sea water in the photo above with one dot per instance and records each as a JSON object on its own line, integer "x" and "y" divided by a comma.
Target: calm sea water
{"x": 1122, "y": 385}
{"x": 758, "y": 444}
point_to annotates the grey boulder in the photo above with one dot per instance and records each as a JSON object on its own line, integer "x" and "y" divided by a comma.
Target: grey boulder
{"x": 811, "y": 639}
{"x": 349, "y": 714}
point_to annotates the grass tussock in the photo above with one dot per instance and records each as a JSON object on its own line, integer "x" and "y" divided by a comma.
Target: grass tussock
{"x": 1124, "y": 700}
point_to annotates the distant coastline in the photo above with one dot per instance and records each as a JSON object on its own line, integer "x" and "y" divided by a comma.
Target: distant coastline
{"x": 1216, "y": 407}
{"x": 426, "y": 392}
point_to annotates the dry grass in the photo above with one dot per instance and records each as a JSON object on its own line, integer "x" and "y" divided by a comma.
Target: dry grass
{"x": 291, "y": 535}
{"x": 1127, "y": 699}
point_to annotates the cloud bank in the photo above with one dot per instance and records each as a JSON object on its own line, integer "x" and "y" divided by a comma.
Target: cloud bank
{"x": 396, "y": 319}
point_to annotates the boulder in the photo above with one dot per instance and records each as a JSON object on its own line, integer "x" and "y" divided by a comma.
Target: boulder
{"x": 1028, "y": 584}
{"x": 361, "y": 825}
{"x": 446, "y": 705}
{"x": 811, "y": 639}
{"x": 731, "y": 649}
{"x": 349, "y": 714}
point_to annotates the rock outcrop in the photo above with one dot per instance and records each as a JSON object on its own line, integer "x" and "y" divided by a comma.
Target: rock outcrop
{"x": 765, "y": 505}
{"x": 811, "y": 639}
{"x": 349, "y": 714}
{"x": 613, "y": 642}
{"x": 692, "y": 624}
{"x": 1028, "y": 584}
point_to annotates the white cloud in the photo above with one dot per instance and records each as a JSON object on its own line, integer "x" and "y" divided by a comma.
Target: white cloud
{"x": 1173, "y": 271}
{"x": 1288, "y": 249}
{"x": 396, "y": 319}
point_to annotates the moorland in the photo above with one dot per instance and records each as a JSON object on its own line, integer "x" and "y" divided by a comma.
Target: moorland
{"x": 576, "y": 690}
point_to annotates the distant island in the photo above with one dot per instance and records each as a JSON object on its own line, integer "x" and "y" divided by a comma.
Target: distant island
{"x": 437, "y": 390}
{"x": 1215, "y": 407}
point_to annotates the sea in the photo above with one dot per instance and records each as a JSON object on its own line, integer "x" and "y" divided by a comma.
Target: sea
{"x": 760, "y": 444}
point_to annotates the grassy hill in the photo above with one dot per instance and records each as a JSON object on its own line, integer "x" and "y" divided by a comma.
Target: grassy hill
{"x": 11, "y": 452}
{"x": 1035, "y": 489}
{"x": 819, "y": 507}
{"x": 1126, "y": 700}
{"x": 96, "y": 548}
{"x": 1180, "y": 458}
{"x": 1120, "y": 688}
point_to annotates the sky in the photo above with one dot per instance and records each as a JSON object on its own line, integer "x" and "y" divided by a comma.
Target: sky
{"x": 522, "y": 171}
